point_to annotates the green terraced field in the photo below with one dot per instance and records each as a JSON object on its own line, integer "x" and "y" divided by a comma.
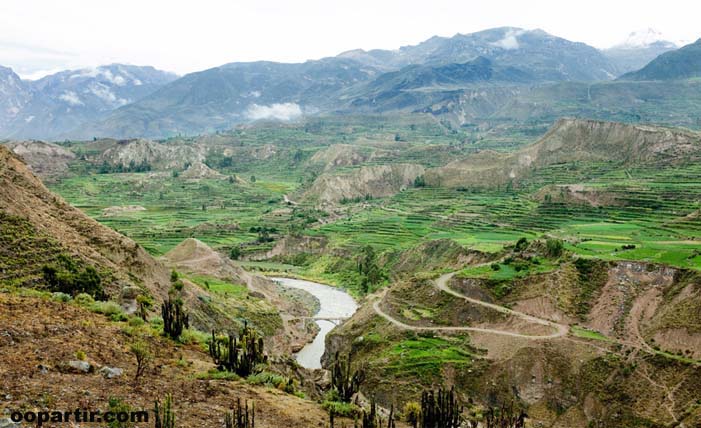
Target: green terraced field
{"x": 654, "y": 208}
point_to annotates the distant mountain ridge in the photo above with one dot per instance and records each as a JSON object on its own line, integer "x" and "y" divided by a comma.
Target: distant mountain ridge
{"x": 546, "y": 57}
{"x": 638, "y": 49}
{"x": 461, "y": 78}
{"x": 684, "y": 63}
{"x": 58, "y": 103}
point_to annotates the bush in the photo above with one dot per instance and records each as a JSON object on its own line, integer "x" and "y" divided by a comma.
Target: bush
{"x": 339, "y": 408}
{"x": 84, "y": 299}
{"x": 554, "y": 247}
{"x": 109, "y": 309}
{"x": 61, "y": 297}
{"x": 412, "y": 412}
{"x": 71, "y": 276}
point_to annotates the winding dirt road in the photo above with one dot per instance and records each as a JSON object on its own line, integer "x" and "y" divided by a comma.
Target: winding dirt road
{"x": 442, "y": 284}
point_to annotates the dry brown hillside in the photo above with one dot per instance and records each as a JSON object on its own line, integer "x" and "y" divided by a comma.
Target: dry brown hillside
{"x": 24, "y": 199}
{"x": 39, "y": 337}
{"x": 572, "y": 140}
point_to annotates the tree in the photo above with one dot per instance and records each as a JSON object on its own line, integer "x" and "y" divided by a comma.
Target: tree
{"x": 143, "y": 357}
{"x": 554, "y": 247}
{"x": 420, "y": 181}
{"x": 368, "y": 269}
{"x": 235, "y": 253}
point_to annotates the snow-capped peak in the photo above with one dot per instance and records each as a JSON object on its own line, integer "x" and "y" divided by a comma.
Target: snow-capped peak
{"x": 643, "y": 39}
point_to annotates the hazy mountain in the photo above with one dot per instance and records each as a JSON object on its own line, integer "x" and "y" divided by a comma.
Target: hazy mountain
{"x": 638, "y": 49}
{"x": 546, "y": 57}
{"x": 14, "y": 95}
{"x": 221, "y": 97}
{"x": 408, "y": 87}
{"x": 683, "y": 63}
{"x": 55, "y": 104}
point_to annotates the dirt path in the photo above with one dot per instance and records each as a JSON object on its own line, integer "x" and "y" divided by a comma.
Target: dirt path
{"x": 441, "y": 283}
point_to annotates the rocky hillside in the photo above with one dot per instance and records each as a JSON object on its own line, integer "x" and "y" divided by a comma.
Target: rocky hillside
{"x": 571, "y": 140}
{"x": 149, "y": 155}
{"x": 38, "y": 226}
{"x": 366, "y": 182}
{"x": 42, "y": 337}
{"x": 625, "y": 351}
{"x": 46, "y": 160}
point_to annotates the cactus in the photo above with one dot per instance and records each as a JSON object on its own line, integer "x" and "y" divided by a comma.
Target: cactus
{"x": 370, "y": 419}
{"x": 175, "y": 319}
{"x": 506, "y": 418}
{"x": 240, "y": 355}
{"x": 241, "y": 417}
{"x": 343, "y": 380}
{"x": 440, "y": 410}
{"x": 163, "y": 415}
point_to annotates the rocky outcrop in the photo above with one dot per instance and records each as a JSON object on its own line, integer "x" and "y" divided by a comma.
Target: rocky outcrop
{"x": 198, "y": 170}
{"x": 46, "y": 160}
{"x": 572, "y": 140}
{"x": 369, "y": 181}
{"x": 134, "y": 153}
{"x": 342, "y": 155}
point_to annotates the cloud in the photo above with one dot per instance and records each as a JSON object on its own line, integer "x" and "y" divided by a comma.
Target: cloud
{"x": 510, "y": 40}
{"x": 284, "y": 111}
{"x": 71, "y": 98}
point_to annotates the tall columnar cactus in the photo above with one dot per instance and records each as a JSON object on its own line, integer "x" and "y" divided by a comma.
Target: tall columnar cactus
{"x": 505, "y": 418}
{"x": 163, "y": 415}
{"x": 240, "y": 355}
{"x": 175, "y": 319}
{"x": 440, "y": 410}
{"x": 344, "y": 380}
{"x": 241, "y": 417}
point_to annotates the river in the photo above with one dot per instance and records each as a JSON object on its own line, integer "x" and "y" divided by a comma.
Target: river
{"x": 333, "y": 303}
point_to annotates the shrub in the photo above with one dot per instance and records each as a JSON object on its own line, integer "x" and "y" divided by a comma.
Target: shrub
{"x": 143, "y": 356}
{"x": 84, "y": 299}
{"x": 339, "y": 408}
{"x": 554, "y": 247}
{"x": 412, "y": 413}
{"x": 69, "y": 276}
{"x": 61, "y": 297}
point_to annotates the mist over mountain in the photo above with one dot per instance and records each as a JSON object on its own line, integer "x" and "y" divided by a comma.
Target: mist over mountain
{"x": 58, "y": 103}
{"x": 638, "y": 49}
{"x": 436, "y": 76}
{"x": 547, "y": 57}
{"x": 684, "y": 63}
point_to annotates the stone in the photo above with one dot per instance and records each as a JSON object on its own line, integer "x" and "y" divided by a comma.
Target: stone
{"x": 111, "y": 372}
{"x": 81, "y": 366}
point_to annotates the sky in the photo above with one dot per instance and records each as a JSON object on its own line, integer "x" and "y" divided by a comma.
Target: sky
{"x": 38, "y": 37}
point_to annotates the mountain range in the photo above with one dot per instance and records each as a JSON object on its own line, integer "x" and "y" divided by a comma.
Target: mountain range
{"x": 499, "y": 65}
{"x": 62, "y": 102}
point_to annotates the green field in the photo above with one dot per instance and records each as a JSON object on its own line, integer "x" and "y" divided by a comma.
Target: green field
{"x": 651, "y": 210}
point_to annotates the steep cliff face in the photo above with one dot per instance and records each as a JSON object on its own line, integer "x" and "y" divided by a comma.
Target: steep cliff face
{"x": 24, "y": 199}
{"x": 373, "y": 181}
{"x": 572, "y": 140}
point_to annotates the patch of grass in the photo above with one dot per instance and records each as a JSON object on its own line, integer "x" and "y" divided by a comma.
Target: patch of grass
{"x": 427, "y": 355}
{"x": 585, "y": 333}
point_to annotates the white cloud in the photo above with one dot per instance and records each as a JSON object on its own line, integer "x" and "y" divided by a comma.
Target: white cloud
{"x": 71, "y": 98}
{"x": 284, "y": 111}
{"x": 510, "y": 40}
